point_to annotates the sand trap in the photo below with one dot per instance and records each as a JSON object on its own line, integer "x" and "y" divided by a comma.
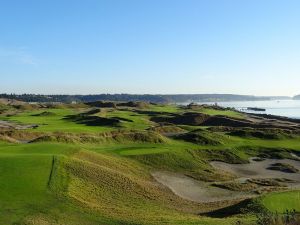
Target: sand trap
{"x": 203, "y": 192}
{"x": 11, "y": 125}
{"x": 194, "y": 190}
{"x": 258, "y": 170}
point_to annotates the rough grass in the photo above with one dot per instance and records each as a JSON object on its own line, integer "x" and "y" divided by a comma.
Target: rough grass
{"x": 83, "y": 174}
{"x": 58, "y": 122}
{"x": 262, "y": 133}
{"x": 168, "y": 129}
{"x": 116, "y": 188}
{"x": 45, "y": 113}
{"x": 46, "y": 183}
{"x": 215, "y": 112}
{"x": 55, "y": 122}
{"x": 4, "y": 108}
{"x": 203, "y": 137}
{"x": 284, "y": 167}
{"x": 104, "y": 138}
{"x": 237, "y": 186}
{"x": 193, "y": 163}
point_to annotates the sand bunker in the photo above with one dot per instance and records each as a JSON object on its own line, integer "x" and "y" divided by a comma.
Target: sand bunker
{"x": 194, "y": 190}
{"x": 204, "y": 192}
{"x": 10, "y": 125}
{"x": 260, "y": 170}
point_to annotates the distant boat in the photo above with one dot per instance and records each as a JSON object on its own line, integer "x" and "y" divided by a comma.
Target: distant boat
{"x": 256, "y": 109}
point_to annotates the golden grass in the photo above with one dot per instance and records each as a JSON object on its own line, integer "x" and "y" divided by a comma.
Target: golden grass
{"x": 123, "y": 189}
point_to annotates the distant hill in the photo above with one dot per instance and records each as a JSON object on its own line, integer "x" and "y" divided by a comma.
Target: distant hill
{"x": 178, "y": 98}
{"x": 280, "y": 98}
{"x": 297, "y": 97}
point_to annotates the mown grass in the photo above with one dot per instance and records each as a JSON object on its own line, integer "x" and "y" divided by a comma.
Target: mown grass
{"x": 23, "y": 184}
{"x": 280, "y": 202}
{"x": 94, "y": 191}
{"x": 28, "y": 196}
{"x": 135, "y": 120}
{"x": 37, "y": 149}
{"x": 123, "y": 189}
{"x": 57, "y": 120}
{"x": 84, "y": 188}
{"x": 54, "y": 122}
{"x": 171, "y": 108}
{"x": 97, "y": 179}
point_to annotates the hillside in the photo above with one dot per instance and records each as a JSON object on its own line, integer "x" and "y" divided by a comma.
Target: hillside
{"x": 139, "y": 163}
{"x": 179, "y": 98}
{"x": 297, "y": 97}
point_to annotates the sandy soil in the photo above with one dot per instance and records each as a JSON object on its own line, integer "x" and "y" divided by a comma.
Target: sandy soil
{"x": 198, "y": 191}
{"x": 6, "y": 101}
{"x": 10, "y": 125}
{"x": 194, "y": 190}
{"x": 258, "y": 170}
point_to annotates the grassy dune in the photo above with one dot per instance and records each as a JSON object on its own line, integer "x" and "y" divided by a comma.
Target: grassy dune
{"x": 53, "y": 122}
{"x": 86, "y": 186}
{"x": 81, "y": 173}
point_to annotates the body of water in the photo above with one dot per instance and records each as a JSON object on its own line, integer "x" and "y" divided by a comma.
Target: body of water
{"x": 288, "y": 108}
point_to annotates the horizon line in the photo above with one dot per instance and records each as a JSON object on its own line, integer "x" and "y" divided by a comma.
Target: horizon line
{"x": 53, "y": 94}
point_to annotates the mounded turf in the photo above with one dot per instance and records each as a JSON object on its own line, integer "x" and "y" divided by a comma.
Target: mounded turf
{"x": 43, "y": 185}
{"x": 81, "y": 173}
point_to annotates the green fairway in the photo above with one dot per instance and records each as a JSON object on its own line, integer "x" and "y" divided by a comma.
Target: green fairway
{"x": 76, "y": 168}
{"x": 55, "y": 122}
{"x": 280, "y": 202}
{"x": 23, "y": 185}
{"x": 30, "y": 185}
{"x": 150, "y": 112}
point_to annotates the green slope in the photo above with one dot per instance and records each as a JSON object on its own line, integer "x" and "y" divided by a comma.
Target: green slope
{"x": 280, "y": 202}
{"x": 85, "y": 174}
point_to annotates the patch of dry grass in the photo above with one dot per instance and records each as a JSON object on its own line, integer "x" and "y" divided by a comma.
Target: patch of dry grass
{"x": 123, "y": 189}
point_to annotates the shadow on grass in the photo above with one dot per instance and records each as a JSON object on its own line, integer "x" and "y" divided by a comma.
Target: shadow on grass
{"x": 232, "y": 210}
{"x": 93, "y": 120}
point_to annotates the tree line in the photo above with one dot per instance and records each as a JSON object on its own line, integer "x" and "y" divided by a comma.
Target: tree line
{"x": 178, "y": 98}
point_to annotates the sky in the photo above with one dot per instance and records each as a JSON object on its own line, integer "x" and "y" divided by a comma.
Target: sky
{"x": 150, "y": 46}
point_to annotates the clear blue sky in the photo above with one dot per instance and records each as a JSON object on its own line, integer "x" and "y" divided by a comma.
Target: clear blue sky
{"x": 153, "y": 46}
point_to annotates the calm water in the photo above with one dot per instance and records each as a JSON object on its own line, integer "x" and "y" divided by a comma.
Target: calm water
{"x": 288, "y": 108}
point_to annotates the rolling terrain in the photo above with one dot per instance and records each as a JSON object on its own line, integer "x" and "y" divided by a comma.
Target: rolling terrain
{"x": 143, "y": 163}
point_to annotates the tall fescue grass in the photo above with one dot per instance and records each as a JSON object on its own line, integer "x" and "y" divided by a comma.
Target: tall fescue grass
{"x": 287, "y": 218}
